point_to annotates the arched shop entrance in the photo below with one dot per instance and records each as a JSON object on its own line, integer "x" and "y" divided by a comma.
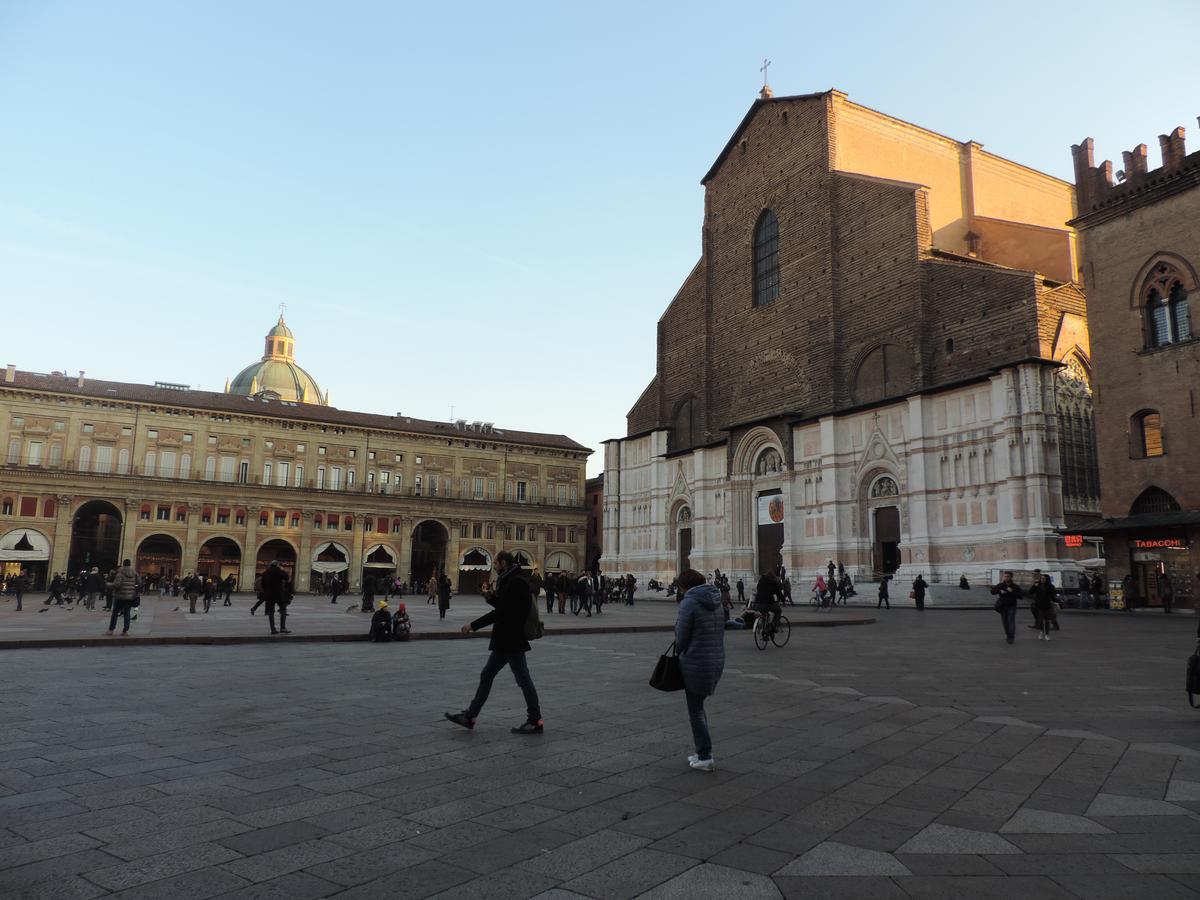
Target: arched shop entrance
{"x": 159, "y": 556}
{"x": 330, "y": 561}
{"x": 218, "y": 559}
{"x": 379, "y": 564}
{"x": 428, "y": 550}
{"x": 95, "y": 537}
{"x": 28, "y": 551}
{"x": 280, "y": 551}
{"x": 473, "y": 570}
{"x": 559, "y": 561}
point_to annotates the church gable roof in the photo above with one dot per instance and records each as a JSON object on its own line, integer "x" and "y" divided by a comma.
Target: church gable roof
{"x": 745, "y": 123}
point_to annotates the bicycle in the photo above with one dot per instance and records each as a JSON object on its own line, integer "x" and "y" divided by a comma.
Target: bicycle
{"x": 765, "y": 631}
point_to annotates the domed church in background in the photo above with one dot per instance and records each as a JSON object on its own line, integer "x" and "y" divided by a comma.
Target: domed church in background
{"x": 276, "y": 375}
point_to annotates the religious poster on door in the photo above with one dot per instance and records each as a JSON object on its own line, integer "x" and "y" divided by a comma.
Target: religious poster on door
{"x": 771, "y": 516}
{"x": 770, "y": 509}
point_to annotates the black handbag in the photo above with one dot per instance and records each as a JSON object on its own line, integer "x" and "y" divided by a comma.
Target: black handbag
{"x": 667, "y": 675}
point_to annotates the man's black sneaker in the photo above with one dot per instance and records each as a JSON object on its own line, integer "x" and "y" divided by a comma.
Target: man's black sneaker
{"x": 529, "y": 728}
{"x": 460, "y": 719}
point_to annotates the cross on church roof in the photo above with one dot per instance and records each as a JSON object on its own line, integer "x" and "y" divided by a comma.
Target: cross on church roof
{"x": 763, "y": 68}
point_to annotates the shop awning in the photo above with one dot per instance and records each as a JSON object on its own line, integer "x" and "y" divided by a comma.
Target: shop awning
{"x": 1140, "y": 522}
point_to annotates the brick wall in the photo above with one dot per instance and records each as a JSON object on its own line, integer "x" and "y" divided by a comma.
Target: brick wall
{"x": 857, "y": 271}
{"x": 1127, "y": 377}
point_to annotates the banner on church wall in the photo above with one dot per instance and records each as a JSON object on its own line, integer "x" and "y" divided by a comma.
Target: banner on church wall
{"x": 770, "y": 509}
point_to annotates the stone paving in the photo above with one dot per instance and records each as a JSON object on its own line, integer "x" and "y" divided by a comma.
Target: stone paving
{"x": 161, "y": 618}
{"x": 921, "y": 757}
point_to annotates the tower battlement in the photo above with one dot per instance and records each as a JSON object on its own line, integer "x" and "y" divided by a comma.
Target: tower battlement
{"x": 1095, "y": 185}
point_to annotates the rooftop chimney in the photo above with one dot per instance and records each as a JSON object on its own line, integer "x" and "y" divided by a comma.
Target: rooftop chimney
{"x": 10, "y": 374}
{"x": 79, "y": 381}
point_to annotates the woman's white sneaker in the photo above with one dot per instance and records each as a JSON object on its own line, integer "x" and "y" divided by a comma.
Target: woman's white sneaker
{"x": 703, "y": 765}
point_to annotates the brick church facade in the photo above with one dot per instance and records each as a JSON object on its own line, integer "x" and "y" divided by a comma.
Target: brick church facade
{"x": 880, "y": 358}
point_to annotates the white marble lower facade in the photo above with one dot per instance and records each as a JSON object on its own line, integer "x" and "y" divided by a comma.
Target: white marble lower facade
{"x": 968, "y": 476}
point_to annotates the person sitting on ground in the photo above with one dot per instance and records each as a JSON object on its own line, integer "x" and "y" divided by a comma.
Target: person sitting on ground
{"x": 381, "y": 623}
{"x": 401, "y": 624}
{"x": 963, "y": 583}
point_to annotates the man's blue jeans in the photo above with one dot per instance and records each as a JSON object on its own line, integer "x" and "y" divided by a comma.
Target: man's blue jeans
{"x": 120, "y": 608}
{"x": 1009, "y": 618}
{"x": 695, "y": 705}
{"x": 520, "y": 669}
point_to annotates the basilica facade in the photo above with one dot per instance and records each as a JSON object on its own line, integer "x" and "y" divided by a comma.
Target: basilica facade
{"x": 881, "y": 358}
{"x": 181, "y": 480}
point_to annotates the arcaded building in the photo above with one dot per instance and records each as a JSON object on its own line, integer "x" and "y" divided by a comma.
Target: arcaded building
{"x": 881, "y": 357}
{"x": 181, "y": 480}
{"x": 1140, "y": 235}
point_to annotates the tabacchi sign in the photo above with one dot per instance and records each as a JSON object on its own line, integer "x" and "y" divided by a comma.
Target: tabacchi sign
{"x": 1159, "y": 544}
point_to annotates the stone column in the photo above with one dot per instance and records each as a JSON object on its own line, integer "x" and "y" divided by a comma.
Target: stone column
{"x": 129, "y": 533}
{"x": 304, "y": 560}
{"x": 405, "y": 564}
{"x": 191, "y": 546}
{"x": 356, "y": 552}
{"x": 61, "y": 546}
{"x": 452, "y": 551}
{"x": 250, "y": 551}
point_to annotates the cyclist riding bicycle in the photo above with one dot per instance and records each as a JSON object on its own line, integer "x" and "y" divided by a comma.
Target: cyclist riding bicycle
{"x": 768, "y": 597}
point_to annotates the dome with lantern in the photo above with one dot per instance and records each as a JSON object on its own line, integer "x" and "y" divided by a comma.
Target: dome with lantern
{"x": 276, "y": 376}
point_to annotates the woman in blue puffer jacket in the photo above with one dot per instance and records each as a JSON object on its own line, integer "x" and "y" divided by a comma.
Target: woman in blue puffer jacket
{"x": 700, "y": 642}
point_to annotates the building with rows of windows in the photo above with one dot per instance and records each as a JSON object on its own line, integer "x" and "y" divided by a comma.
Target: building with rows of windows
{"x": 881, "y": 357}
{"x": 182, "y": 480}
{"x": 1141, "y": 242}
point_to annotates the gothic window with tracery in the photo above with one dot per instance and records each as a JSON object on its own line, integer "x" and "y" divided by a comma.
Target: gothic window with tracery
{"x": 1077, "y": 436}
{"x": 766, "y": 259}
{"x": 885, "y": 486}
{"x": 1168, "y": 319}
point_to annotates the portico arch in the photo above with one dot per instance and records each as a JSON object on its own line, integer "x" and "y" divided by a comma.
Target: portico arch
{"x": 276, "y": 550}
{"x": 159, "y": 555}
{"x": 25, "y": 550}
{"x": 219, "y": 557}
{"x": 429, "y": 541}
{"x": 473, "y": 568}
{"x": 95, "y": 537}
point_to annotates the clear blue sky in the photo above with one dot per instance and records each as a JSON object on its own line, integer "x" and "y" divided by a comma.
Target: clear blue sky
{"x": 479, "y": 204}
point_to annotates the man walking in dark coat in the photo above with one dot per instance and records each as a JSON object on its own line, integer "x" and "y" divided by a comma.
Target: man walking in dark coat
{"x": 1008, "y": 593}
{"x": 512, "y": 601}
{"x": 276, "y": 590}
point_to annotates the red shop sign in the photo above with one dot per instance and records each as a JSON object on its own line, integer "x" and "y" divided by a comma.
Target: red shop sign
{"x": 1073, "y": 540}
{"x": 1159, "y": 544}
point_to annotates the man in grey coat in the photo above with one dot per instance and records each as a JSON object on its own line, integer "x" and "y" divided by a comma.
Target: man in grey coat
{"x": 700, "y": 643}
{"x": 124, "y": 589}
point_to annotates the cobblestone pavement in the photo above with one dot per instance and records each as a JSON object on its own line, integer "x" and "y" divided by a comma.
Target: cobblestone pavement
{"x": 921, "y": 757}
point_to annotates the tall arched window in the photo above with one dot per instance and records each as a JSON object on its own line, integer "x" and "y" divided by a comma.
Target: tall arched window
{"x": 1146, "y": 430}
{"x": 1168, "y": 320}
{"x": 766, "y": 259}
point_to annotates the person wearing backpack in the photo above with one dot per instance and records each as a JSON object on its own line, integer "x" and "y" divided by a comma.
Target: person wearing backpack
{"x": 512, "y": 604}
